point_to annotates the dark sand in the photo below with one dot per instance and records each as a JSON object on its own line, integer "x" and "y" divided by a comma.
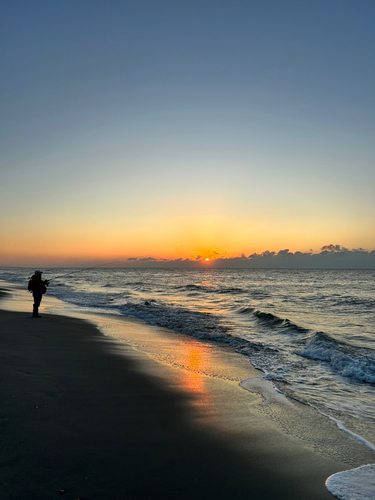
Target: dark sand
{"x": 80, "y": 420}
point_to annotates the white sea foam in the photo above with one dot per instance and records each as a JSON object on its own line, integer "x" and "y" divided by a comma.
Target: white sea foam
{"x": 268, "y": 391}
{"x": 342, "y": 427}
{"x": 354, "y": 484}
{"x": 271, "y": 394}
{"x": 356, "y": 363}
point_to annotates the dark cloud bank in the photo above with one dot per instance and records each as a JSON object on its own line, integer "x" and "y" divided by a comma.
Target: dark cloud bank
{"x": 330, "y": 257}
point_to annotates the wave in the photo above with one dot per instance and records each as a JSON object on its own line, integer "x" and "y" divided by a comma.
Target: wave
{"x": 355, "y": 301}
{"x": 194, "y": 323}
{"x": 193, "y": 287}
{"x": 268, "y": 318}
{"x": 246, "y": 310}
{"x": 125, "y": 284}
{"x": 211, "y": 289}
{"x": 272, "y": 320}
{"x": 233, "y": 291}
{"x": 348, "y": 361}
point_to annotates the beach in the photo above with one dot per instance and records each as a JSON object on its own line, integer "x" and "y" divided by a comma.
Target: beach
{"x": 88, "y": 416}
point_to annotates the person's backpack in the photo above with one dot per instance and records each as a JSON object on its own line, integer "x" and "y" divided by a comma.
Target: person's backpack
{"x": 30, "y": 286}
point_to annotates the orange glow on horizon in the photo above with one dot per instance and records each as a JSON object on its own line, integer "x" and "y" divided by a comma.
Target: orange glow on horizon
{"x": 139, "y": 229}
{"x": 94, "y": 243}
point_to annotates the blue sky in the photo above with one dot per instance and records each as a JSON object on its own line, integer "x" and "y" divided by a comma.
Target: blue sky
{"x": 248, "y": 124}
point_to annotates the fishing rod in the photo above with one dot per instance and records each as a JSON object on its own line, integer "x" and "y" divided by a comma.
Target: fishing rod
{"x": 85, "y": 269}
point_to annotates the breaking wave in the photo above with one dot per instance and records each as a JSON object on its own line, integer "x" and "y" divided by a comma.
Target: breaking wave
{"x": 271, "y": 320}
{"x": 194, "y": 323}
{"x": 348, "y": 361}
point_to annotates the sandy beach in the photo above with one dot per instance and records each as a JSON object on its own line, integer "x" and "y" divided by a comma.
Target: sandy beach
{"x": 86, "y": 416}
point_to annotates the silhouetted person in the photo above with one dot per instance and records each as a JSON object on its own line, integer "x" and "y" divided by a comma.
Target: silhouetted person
{"x": 38, "y": 288}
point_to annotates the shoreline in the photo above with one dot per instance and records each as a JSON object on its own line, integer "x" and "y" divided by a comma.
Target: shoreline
{"x": 81, "y": 403}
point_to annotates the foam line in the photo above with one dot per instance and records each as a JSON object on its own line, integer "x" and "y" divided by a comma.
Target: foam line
{"x": 264, "y": 387}
{"x": 342, "y": 427}
{"x": 354, "y": 484}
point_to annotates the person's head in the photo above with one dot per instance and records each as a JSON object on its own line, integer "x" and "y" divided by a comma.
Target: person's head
{"x": 38, "y": 274}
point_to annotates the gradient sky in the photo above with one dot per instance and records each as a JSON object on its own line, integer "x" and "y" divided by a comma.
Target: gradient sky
{"x": 174, "y": 128}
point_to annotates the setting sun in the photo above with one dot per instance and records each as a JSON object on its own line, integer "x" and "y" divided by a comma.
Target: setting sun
{"x": 207, "y": 260}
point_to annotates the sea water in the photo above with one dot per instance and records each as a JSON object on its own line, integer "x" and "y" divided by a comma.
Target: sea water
{"x": 311, "y": 332}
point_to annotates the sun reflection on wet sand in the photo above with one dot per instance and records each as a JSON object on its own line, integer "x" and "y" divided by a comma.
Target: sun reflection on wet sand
{"x": 194, "y": 358}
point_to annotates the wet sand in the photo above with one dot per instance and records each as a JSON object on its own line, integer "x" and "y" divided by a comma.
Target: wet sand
{"x": 83, "y": 418}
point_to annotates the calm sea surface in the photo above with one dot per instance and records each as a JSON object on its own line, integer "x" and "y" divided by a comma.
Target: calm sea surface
{"x": 311, "y": 332}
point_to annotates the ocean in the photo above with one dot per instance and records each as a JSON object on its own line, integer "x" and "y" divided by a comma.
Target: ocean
{"x": 311, "y": 332}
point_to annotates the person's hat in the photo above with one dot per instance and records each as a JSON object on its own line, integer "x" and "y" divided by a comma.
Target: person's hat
{"x": 37, "y": 272}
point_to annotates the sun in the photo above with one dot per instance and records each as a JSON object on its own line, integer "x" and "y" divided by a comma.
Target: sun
{"x": 207, "y": 260}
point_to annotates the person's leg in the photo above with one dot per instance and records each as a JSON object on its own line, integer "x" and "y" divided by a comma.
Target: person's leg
{"x": 37, "y": 301}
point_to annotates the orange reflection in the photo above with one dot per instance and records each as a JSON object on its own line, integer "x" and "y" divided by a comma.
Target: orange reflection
{"x": 193, "y": 364}
{"x": 193, "y": 376}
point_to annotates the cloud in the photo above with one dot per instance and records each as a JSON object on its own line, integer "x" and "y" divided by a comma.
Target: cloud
{"x": 330, "y": 257}
{"x": 267, "y": 253}
{"x": 132, "y": 259}
{"x": 284, "y": 252}
{"x": 334, "y": 248}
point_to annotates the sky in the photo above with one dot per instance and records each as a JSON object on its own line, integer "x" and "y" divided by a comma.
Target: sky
{"x": 184, "y": 129}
